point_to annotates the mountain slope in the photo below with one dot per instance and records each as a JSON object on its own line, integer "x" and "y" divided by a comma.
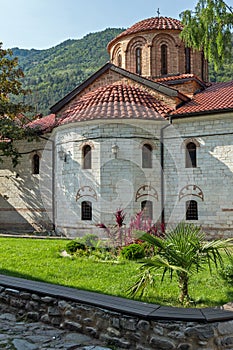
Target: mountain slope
{"x": 51, "y": 74}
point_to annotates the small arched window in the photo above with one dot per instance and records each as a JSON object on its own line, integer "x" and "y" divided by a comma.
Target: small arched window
{"x": 146, "y": 156}
{"x": 164, "y": 59}
{"x": 119, "y": 60}
{"x": 139, "y": 61}
{"x": 191, "y": 210}
{"x": 36, "y": 164}
{"x": 86, "y": 155}
{"x": 191, "y": 155}
{"x": 187, "y": 60}
{"x": 147, "y": 209}
{"x": 86, "y": 210}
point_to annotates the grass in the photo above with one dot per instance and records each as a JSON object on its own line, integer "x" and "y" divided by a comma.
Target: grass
{"x": 40, "y": 260}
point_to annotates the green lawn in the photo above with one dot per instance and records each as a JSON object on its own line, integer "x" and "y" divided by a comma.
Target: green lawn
{"x": 40, "y": 259}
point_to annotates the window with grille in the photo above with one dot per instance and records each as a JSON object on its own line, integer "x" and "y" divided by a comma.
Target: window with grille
{"x": 191, "y": 210}
{"x": 86, "y": 210}
{"x": 191, "y": 155}
{"x": 146, "y": 156}
{"x": 147, "y": 209}
{"x": 36, "y": 164}
{"x": 87, "y": 157}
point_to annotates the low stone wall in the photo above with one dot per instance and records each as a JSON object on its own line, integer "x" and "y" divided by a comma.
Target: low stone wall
{"x": 117, "y": 329}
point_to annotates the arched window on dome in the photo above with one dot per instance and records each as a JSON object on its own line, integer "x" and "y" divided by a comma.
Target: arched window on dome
{"x": 86, "y": 210}
{"x": 139, "y": 60}
{"x": 187, "y": 60}
{"x": 36, "y": 164}
{"x": 163, "y": 59}
{"x": 147, "y": 156}
{"x": 191, "y": 210}
{"x": 147, "y": 209}
{"x": 86, "y": 157}
{"x": 191, "y": 155}
{"x": 119, "y": 60}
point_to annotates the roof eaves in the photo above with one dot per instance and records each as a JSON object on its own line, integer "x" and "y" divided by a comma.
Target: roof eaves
{"x": 66, "y": 99}
{"x": 183, "y": 80}
{"x": 206, "y": 112}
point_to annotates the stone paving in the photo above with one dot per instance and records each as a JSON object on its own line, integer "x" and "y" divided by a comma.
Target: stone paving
{"x": 21, "y": 335}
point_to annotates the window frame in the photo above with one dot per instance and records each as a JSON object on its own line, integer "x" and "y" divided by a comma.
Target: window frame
{"x": 190, "y": 155}
{"x": 87, "y": 157}
{"x": 147, "y": 209}
{"x": 147, "y": 152}
{"x": 35, "y": 164}
{"x": 86, "y": 211}
{"x": 191, "y": 207}
{"x": 138, "y": 58}
{"x": 164, "y": 61}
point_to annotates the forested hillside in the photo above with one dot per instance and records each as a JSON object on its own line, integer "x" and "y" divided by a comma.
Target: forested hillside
{"x": 51, "y": 74}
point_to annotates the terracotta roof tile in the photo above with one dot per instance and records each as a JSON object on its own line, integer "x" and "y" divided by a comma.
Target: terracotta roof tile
{"x": 44, "y": 124}
{"x": 115, "y": 101}
{"x": 153, "y": 23}
{"x": 178, "y": 77}
{"x": 217, "y": 97}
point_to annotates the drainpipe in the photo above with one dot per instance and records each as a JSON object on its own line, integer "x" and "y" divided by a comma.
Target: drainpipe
{"x": 162, "y": 170}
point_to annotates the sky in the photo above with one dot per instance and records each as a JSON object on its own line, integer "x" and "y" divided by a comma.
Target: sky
{"x": 41, "y": 24}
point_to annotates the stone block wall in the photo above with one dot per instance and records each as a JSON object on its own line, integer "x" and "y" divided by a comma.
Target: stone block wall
{"x": 118, "y": 329}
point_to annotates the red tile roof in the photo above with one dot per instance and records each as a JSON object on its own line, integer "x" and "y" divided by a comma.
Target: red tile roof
{"x": 153, "y": 23}
{"x": 217, "y": 97}
{"x": 44, "y": 124}
{"x": 180, "y": 77}
{"x": 115, "y": 101}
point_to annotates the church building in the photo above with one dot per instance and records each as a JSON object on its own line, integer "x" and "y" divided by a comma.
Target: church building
{"x": 146, "y": 132}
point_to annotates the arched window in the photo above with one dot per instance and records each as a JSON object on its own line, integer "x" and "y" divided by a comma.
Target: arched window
{"x": 86, "y": 210}
{"x": 164, "y": 59}
{"x": 191, "y": 210}
{"x": 86, "y": 154}
{"x": 147, "y": 209}
{"x": 191, "y": 155}
{"x": 36, "y": 164}
{"x": 146, "y": 156}
{"x": 139, "y": 60}
{"x": 119, "y": 60}
{"x": 187, "y": 60}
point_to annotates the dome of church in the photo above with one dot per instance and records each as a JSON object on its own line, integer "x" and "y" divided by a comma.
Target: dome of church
{"x": 153, "y": 23}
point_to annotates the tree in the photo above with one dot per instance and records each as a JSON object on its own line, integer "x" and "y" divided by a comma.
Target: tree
{"x": 183, "y": 251}
{"x": 208, "y": 28}
{"x": 11, "y": 117}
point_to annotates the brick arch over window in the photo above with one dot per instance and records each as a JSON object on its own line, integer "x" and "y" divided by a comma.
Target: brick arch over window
{"x": 157, "y": 52}
{"x": 131, "y": 54}
{"x": 117, "y": 56}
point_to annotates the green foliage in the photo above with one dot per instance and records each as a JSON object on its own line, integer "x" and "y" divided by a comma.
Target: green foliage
{"x": 133, "y": 252}
{"x": 183, "y": 252}
{"x": 53, "y": 73}
{"x": 208, "y": 28}
{"x": 73, "y": 246}
{"x": 227, "y": 273}
{"x": 11, "y": 119}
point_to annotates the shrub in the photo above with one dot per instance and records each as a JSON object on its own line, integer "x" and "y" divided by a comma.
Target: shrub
{"x": 227, "y": 273}
{"x": 133, "y": 252}
{"x": 73, "y": 246}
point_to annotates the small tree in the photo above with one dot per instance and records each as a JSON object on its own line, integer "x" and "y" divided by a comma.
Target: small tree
{"x": 184, "y": 252}
{"x": 208, "y": 28}
{"x": 11, "y": 113}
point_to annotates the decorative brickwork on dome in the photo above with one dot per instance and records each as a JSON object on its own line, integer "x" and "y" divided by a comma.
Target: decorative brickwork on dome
{"x": 153, "y": 23}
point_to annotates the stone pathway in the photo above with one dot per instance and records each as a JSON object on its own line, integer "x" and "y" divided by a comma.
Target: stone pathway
{"x": 16, "y": 335}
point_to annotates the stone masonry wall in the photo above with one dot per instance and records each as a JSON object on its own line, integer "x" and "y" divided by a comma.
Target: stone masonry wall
{"x": 117, "y": 329}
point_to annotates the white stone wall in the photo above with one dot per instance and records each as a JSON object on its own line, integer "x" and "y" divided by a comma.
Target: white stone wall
{"x": 111, "y": 183}
{"x": 25, "y": 198}
{"x": 213, "y": 174}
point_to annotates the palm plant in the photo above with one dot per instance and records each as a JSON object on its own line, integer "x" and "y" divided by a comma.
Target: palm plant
{"x": 183, "y": 252}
